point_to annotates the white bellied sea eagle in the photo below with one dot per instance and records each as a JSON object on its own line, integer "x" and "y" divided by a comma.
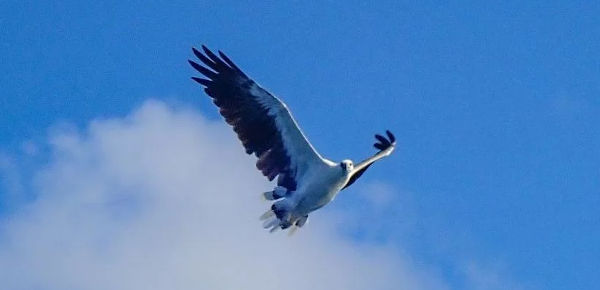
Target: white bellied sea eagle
{"x": 305, "y": 180}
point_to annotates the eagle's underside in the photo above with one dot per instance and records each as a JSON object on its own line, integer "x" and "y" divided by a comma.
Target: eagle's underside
{"x": 318, "y": 187}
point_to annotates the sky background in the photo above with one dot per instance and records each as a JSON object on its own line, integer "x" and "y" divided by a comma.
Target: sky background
{"x": 495, "y": 181}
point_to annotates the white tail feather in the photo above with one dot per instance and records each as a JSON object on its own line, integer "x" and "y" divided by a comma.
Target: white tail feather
{"x": 267, "y": 215}
{"x": 274, "y": 228}
{"x": 270, "y": 223}
{"x": 292, "y": 230}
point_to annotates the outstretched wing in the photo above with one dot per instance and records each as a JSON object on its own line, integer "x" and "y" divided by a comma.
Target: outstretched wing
{"x": 262, "y": 122}
{"x": 385, "y": 146}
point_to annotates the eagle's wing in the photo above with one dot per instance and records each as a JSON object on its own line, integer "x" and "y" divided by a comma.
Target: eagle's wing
{"x": 262, "y": 121}
{"x": 385, "y": 146}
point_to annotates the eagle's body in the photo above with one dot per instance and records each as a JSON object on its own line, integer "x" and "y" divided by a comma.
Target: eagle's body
{"x": 305, "y": 180}
{"x": 319, "y": 187}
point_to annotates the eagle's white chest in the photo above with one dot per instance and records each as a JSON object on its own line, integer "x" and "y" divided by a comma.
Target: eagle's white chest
{"x": 320, "y": 187}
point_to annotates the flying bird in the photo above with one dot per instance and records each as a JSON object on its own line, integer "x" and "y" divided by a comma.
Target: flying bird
{"x": 305, "y": 180}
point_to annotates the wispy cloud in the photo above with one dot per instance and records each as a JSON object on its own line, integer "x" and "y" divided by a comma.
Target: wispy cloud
{"x": 488, "y": 277}
{"x": 164, "y": 199}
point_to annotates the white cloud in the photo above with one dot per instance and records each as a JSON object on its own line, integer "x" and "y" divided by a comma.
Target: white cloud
{"x": 164, "y": 199}
{"x": 10, "y": 179}
{"x": 488, "y": 277}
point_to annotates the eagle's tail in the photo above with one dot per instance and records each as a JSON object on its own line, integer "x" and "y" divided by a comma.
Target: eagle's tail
{"x": 267, "y": 215}
{"x": 298, "y": 223}
{"x": 279, "y": 216}
{"x": 275, "y": 194}
{"x": 292, "y": 230}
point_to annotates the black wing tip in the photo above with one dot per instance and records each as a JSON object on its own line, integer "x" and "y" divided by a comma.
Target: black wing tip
{"x": 205, "y": 71}
{"x": 205, "y": 49}
{"x": 379, "y": 146}
{"x": 202, "y": 81}
{"x": 383, "y": 142}
{"x": 197, "y": 53}
{"x": 390, "y": 136}
{"x": 212, "y": 56}
{"x": 209, "y": 52}
{"x": 228, "y": 61}
{"x": 218, "y": 63}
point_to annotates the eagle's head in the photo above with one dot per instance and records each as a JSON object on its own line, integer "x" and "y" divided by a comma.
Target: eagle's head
{"x": 347, "y": 165}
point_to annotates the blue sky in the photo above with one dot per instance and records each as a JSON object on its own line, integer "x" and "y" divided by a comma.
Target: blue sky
{"x": 495, "y": 107}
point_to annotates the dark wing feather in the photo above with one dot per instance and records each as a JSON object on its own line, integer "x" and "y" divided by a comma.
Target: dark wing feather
{"x": 257, "y": 118}
{"x": 356, "y": 175}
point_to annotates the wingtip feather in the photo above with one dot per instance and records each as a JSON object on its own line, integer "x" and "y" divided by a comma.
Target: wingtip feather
{"x": 382, "y": 139}
{"x": 202, "y": 81}
{"x": 203, "y": 70}
{"x": 228, "y": 60}
{"x": 210, "y": 54}
{"x": 379, "y": 146}
{"x": 390, "y": 136}
{"x": 196, "y": 52}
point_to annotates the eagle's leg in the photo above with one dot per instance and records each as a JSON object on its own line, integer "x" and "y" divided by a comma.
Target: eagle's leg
{"x": 301, "y": 221}
{"x": 276, "y": 193}
{"x": 279, "y": 216}
{"x": 298, "y": 224}
{"x": 281, "y": 209}
{"x": 280, "y": 206}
